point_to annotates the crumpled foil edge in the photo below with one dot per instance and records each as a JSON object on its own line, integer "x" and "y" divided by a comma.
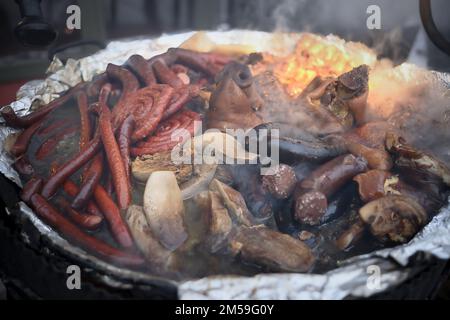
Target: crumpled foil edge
{"x": 350, "y": 279}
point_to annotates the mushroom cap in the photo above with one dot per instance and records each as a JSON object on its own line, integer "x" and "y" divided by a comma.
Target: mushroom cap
{"x": 394, "y": 217}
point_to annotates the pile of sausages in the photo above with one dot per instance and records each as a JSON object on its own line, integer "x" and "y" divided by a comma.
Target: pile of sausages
{"x": 151, "y": 95}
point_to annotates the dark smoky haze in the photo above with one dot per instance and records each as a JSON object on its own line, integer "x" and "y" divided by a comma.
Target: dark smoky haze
{"x": 105, "y": 20}
{"x": 401, "y": 39}
{"x": 400, "y": 23}
{"x": 422, "y": 110}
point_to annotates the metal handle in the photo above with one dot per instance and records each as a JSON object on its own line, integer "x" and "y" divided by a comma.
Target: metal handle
{"x": 54, "y": 50}
{"x": 29, "y": 8}
{"x": 430, "y": 27}
{"x": 33, "y": 30}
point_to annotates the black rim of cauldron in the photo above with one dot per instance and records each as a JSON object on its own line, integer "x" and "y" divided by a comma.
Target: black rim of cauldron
{"x": 31, "y": 269}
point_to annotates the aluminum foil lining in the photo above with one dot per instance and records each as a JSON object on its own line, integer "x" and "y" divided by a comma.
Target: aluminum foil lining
{"x": 360, "y": 276}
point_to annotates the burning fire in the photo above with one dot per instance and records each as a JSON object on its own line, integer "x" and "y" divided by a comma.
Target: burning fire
{"x": 318, "y": 56}
{"x": 314, "y": 55}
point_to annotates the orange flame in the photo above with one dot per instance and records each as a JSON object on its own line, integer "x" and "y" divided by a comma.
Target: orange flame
{"x": 318, "y": 56}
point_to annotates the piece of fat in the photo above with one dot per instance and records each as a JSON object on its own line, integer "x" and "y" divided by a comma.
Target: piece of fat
{"x": 273, "y": 250}
{"x": 164, "y": 209}
{"x": 154, "y": 252}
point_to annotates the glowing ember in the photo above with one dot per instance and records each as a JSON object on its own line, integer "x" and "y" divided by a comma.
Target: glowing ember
{"x": 318, "y": 56}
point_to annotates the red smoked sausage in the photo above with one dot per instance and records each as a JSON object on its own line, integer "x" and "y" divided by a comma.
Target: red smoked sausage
{"x": 114, "y": 158}
{"x": 51, "y": 216}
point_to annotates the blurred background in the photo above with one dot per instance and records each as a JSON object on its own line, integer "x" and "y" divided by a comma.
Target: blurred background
{"x": 400, "y": 38}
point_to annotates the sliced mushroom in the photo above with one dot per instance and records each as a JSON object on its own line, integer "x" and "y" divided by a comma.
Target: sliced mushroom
{"x": 273, "y": 250}
{"x": 164, "y": 209}
{"x": 395, "y": 218}
{"x": 157, "y": 256}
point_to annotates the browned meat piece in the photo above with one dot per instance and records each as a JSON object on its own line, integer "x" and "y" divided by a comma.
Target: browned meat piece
{"x": 416, "y": 162}
{"x": 220, "y": 224}
{"x": 158, "y": 257}
{"x": 394, "y": 218}
{"x": 372, "y": 184}
{"x": 310, "y": 207}
{"x": 312, "y": 193}
{"x": 241, "y": 101}
{"x": 281, "y": 182}
{"x": 272, "y": 250}
{"x": 375, "y": 184}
